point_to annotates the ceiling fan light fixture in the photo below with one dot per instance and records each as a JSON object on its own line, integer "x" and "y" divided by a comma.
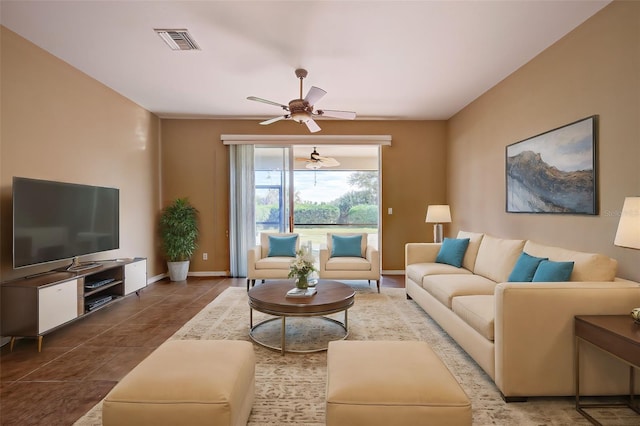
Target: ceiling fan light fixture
{"x": 301, "y": 109}
{"x": 300, "y": 116}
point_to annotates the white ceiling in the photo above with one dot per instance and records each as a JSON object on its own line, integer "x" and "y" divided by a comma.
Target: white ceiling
{"x": 382, "y": 59}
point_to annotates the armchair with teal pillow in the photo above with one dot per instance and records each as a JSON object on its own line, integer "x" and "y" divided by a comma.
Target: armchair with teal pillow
{"x": 348, "y": 256}
{"x": 272, "y": 257}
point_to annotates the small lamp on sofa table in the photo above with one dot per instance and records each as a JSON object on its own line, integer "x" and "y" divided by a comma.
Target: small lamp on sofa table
{"x": 628, "y": 233}
{"x": 438, "y": 214}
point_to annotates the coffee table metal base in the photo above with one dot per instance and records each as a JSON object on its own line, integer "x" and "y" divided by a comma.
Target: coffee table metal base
{"x": 283, "y": 332}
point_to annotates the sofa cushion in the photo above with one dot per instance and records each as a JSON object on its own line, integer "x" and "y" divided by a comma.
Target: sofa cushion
{"x": 417, "y": 271}
{"x": 477, "y": 311}
{"x": 475, "y": 238}
{"x": 525, "y": 268}
{"x": 549, "y": 271}
{"x": 452, "y": 251}
{"x": 446, "y": 287}
{"x": 348, "y": 264}
{"x": 587, "y": 266}
{"x": 274, "y": 263}
{"x": 346, "y": 246}
{"x": 496, "y": 257}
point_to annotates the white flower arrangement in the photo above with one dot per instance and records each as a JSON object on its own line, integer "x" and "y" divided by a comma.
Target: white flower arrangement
{"x": 303, "y": 264}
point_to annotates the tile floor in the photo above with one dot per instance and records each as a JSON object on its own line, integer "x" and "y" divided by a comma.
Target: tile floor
{"x": 82, "y": 361}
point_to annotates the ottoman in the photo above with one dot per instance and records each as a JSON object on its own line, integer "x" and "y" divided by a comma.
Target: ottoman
{"x": 391, "y": 383}
{"x": 188, "y": 382}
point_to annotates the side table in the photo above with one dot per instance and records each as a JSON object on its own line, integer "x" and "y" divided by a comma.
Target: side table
{"x": 616, "y": 335}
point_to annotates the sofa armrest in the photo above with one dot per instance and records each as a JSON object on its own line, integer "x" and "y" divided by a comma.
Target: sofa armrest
{"x": 324, "y": 257}
{"x": 420, "y": 253}
{"x": 534, "y": 331}
{"x": 253, "y": 254}
{"x": 373, "y": 256}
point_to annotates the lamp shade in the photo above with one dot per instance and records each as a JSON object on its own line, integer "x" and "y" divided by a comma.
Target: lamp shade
{"x": 628, "y": 234}
{"x": 438, "y": 214}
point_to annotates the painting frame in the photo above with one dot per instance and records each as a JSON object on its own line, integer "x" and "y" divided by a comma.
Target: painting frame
{"x": 554, "y": 172}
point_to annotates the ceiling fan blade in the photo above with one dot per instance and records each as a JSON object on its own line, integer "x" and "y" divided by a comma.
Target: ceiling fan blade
{"x": 329, "y": 162}
{"x": 265, "y": 101}
{"x": 314, "y": 95}
{"x": 274, "y": 119}
{"x": 347, "y": 115}
{"x": 312, "y": 125}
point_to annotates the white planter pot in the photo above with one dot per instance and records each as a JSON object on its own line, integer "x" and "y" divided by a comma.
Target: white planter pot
{"x": 178, "y": 270}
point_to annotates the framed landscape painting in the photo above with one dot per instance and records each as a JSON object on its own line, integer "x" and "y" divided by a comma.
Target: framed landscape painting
{"x": 554, "y": 172}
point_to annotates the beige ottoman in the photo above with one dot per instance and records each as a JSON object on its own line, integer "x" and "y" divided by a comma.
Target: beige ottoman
{"x": 391, "y": 383}
{"x": 186, "y": 382}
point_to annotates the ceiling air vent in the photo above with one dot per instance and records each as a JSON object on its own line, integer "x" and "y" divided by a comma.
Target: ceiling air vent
{"x": 178, "y": 39}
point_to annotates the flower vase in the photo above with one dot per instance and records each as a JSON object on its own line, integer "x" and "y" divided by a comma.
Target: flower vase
{"x": 302, "y": 282}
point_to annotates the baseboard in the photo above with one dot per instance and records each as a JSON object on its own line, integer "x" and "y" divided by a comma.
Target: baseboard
{"x": 393, "y": 272}
{"x": 156, "y": 278}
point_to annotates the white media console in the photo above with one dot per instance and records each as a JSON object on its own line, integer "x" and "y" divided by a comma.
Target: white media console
{"x": 33, "y": 307}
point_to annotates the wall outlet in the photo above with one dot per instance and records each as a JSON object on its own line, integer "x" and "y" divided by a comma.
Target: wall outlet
{"x": 205, "y": 256}
{"x": 389, "y": 210}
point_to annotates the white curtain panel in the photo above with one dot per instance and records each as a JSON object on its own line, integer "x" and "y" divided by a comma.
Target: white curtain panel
{"x": 242, "y": 234}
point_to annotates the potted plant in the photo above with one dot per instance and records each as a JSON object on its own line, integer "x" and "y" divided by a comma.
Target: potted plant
{"x": 179, "y": 234}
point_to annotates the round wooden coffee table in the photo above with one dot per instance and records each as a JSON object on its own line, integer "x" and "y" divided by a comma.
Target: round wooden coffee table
{"x": 271, "y": 298}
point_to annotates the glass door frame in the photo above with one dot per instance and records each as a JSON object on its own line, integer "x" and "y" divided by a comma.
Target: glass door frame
{"x": 287, "y": 219}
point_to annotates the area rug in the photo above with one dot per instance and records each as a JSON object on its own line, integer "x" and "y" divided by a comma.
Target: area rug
{"x": 290, "y": 389}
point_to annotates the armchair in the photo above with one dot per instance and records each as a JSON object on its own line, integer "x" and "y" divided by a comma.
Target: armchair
{"x": 348, "y": 258}
{"x": 272, "y": 257}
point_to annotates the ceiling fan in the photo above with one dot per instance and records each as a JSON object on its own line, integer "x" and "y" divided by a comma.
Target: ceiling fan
{"x": 315, "y": 161}
{"x": 301, "y": 109}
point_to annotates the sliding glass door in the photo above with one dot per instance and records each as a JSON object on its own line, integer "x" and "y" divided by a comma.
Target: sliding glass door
{"x": 272, "y": 189}
{"x": 295, "y": 193}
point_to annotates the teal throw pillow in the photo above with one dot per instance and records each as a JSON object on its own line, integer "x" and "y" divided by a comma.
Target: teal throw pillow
{"x": 346, "y": 246}
{"x": 282, "y": 246}
{"x": 525, "y": 268}
{"x": 549, "y": 271}
{"x": 452, "y": 251}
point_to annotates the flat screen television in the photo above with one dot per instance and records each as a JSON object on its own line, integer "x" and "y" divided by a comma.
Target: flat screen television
{"x": 56, "y": 221}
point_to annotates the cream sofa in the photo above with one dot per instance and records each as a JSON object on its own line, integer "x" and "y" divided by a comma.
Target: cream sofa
{"x": 521, "y": 333}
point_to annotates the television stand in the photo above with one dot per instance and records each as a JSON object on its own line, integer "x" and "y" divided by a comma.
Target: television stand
{"x": 35, "y": 306}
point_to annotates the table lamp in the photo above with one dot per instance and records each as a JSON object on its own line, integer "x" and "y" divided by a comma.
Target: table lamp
{"x": 628, "y": 234}
{"x": 438, "y": 214}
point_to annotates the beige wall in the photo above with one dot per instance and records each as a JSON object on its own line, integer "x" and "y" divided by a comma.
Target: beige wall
{"x": 593, "y": 70}
{"x": 195, "y": 164}
{"x": 59, "y": 124}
